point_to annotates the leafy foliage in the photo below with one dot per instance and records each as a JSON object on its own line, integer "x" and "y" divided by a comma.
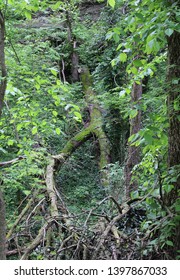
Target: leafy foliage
{"x": 43, "y": 109}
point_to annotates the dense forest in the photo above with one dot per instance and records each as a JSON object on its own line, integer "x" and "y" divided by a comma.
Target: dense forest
{"x": 89, "y": 129}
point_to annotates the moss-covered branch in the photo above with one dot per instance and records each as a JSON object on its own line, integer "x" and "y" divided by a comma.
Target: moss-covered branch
{"x": 95, "y": 128}
{"x": 97, "y": 124}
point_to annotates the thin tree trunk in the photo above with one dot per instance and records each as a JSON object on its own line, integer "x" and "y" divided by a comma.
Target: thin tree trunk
{"x": 133, "y": 154}
{"x": 2, "y": 229}
{"x": 74, "y": 54}
{"x": 173, "y": 76}
{"x": 3, "y": 83}
{"x": 75, "y": 63}
{"x": 2, "y": 62}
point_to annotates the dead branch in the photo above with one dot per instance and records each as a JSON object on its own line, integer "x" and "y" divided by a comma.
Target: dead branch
{"x": 37, "y": 240}
{"x": 19, "y": 218}
{"x": 106, "y": 232}
{"x": 12, "y": 161}
{"x": 62, "y": 71}
{"x": 51, "y": 189}
{"x": 34, "y": 210}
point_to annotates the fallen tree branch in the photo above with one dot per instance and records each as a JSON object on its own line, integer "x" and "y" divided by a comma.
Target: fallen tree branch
{"x": 12, "y": 161}
{"x": 106, "y": 232}
{"x": 37, "y": 240}
{"x": 19, "y": 218}
{"x": 51, "y": 189}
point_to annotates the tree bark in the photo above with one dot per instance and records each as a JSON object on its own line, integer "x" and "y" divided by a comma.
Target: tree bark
{"x": 3, "y": 83}
{"x": 2, "y": 229}
{"x": 2, "y": 61}
{"x": 74, "y": 54}
{"x": 75, "y": 63}
{"x": 173, "y": 76}
{"x": 95, "y": 127}
{"x": 133, "y": 153}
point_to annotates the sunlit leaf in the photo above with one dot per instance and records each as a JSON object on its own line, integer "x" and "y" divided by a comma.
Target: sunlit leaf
{"x": 58, "y": 131}
{"x": 133, "y": 113}
{"x": 123, "y": 57}
{"x": 112, "y": 3}
{"x": 34, "y": 130}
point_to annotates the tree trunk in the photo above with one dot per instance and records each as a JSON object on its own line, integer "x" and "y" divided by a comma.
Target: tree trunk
{"x": 95, "y": 127}
{"x": 173, "y": 76}
{"x": 2, "y": 229}
{"x": 133, "y": 156}
{"x": 3, "y": 83}
{"x": 75, "y": 63}
{"x": 74, "y": 54}
{"x": 2, "y": 62}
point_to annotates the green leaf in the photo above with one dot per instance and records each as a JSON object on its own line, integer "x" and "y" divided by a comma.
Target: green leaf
{"x": 109, "y": 35}
{"x": 55, "y": 113}
{"x": 26, "y": 192}
{"x": 58, "y": 131}
{"x": 133, "y": 137}
{"x": 116, "y": 37}
{"x": 176, "y": 105}
{"x": 19, "y": 126}
{"x": 169, "y": 243}
{"x": 133, "y": 113}
{"x": 140, "y": 16}
{"x": 10, "y": 142}
{"x": 122, "y": 92}
{"x": 148, "y": 137}
{"x": 34, "y": 130}
{"x": 152, "y": 46}
{"x": 26, "y": 153}
{"x": 169, "y": 32}
{"x": 112, "y": 3}
{"x": 175, "y": 81}
{"x": 78, "y": 116}
{"x": 137, "y": 63}
{"x": 54, "y": 71}
{"x": 27, "y": 14}
{"x": 168, "y": 188}
{"x": 119, "y": 47}
{"x": 123, "y": 57}
{"x": 134, "y": 194}
{"x": 37, "y": 86}
{"x": 177, "y": 208}
{"x": 134, "y": 70}
{"x": 113, "y": 62}
{"x": 57, "y": 5}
